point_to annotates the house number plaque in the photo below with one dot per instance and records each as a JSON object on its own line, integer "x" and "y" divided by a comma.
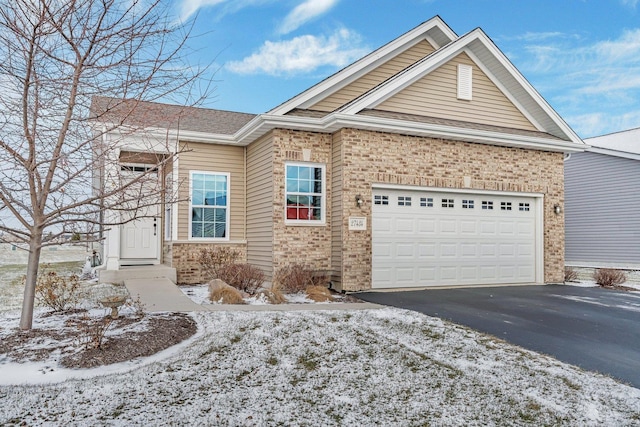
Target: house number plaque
{"x": 357, "y": 223}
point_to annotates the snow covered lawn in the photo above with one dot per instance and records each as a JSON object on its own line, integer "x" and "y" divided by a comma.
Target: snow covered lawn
{"x": 371, "y": 367}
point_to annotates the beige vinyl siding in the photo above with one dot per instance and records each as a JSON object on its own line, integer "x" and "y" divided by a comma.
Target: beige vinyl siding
{"x": 374, "y": 77}
{"x": 213, "y": 158}
{"x": 260, "y": 204}
{"x": 435, "y": 95}
{"x": 336, "y": 208}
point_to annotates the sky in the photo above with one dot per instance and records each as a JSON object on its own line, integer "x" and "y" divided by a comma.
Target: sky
{"x": 582, "y": 56}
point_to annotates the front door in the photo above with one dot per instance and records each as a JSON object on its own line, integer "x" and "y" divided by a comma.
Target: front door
{"x": 140, "y": 237}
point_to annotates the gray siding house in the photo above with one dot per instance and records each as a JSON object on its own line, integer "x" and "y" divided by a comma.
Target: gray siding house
{"x": 602, "y": 203}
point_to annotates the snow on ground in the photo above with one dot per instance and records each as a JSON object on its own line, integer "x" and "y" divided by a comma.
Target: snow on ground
{"x": 370, "y": 367}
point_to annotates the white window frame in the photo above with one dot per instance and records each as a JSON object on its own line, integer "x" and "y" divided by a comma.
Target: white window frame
{"x": 227, "y": 207}
{"x": 322, "y": 194}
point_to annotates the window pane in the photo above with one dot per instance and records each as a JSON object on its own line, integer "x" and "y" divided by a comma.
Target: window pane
{"x": 197, "y": 197}
{"x": 196, "y": 229}
{"x": 196, "y": 214}
{"x": 317, "y": 186}
{"x": 292, "y": 172}
{"x": 304, "y": 186}
{"x": 305, "y": 172}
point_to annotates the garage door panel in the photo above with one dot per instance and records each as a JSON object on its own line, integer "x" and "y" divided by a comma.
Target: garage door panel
{"x": 439, "y": 240}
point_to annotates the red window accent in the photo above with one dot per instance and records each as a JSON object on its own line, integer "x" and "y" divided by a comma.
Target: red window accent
{"x": 299, "y": 211}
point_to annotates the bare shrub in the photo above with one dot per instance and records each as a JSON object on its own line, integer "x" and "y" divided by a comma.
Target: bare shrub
{"x": 212, "y": 260}
{"x": 609, "y": 277}
{"x": 136, "y": 305}
{"x": 57, "y": 292}
{"x": 570, "y": 275}
{"x": 297, "y": 277}
{"x": 92, "y": 331}
{"x": 243, "y": 277}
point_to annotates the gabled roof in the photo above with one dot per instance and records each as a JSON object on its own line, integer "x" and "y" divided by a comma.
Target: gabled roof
{"x": 435, "y": 30}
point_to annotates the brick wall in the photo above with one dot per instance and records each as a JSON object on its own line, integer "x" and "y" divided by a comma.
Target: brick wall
{"x": 374, "y": 157}
{"x": 184, "y": 258}
{"x": 309, "y": 245}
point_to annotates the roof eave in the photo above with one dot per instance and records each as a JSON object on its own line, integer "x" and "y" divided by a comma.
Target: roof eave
{"x": 262, "y": 124}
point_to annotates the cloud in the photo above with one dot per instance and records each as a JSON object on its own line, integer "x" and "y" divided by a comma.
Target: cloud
{"x": 595, "y": 86}
{"x": 305, "y": 12}
{"x": 302, "y": 54}
{"x": 190, "y": 7}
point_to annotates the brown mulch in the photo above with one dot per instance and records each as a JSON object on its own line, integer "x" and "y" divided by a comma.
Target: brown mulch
{"x": 73, "y": 343}
{"x": 619, "y": 288}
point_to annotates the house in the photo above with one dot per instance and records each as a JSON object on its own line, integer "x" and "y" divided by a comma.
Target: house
{"x": 602, "y": 225}
{"x": 431, "y": 161}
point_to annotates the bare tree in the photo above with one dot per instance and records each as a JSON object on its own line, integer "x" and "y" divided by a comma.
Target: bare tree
{"x": 58, "y": 56}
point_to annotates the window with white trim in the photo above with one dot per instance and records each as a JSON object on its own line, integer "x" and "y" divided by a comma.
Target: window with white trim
{"x": 487, "y": 205}
{"x": 447, "y": 203}
{"x": 467, "y": 204}
{"x": 505, "y": 206}
{"x": 305, "y": 193}
{"x": 209, "y": 205}
{"x": 524, "y": 207}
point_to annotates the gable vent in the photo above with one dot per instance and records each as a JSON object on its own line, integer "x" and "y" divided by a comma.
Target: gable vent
{"x": 465, "y": 74}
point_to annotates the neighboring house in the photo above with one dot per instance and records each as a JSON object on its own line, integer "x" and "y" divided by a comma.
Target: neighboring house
{"x": 430, "y": 161}
{"x": 602, "y": 203}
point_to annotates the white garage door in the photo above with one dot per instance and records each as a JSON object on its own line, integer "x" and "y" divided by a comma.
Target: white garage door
{"x": 423, "y": 238}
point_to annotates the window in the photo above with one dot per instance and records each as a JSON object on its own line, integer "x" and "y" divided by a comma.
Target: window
{"x": 524, "y": 207}
{"x": 487, "y": 205}
{"x": 426, "y": 202}
{"x": 209, "y": 205}
{"x": 467, "y": 204}
{"x": 304, "y": 193}
{"x": 505, "y": 206}
{"x": 447, "y": 203}
{"x": 381, "y": 200}
{"x": 404, "y": 201}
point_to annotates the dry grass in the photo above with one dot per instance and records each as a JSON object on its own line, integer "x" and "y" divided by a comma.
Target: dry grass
{"x": 224, "y": 294}
{"x": 244, "y": 277}
{"x": 319, "y": 293}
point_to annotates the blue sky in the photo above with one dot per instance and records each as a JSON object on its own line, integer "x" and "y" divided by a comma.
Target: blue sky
{"x": 582, "y": 56}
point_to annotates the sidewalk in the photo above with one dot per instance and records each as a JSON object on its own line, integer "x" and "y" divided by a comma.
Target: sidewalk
{"x": 159, "y": 295}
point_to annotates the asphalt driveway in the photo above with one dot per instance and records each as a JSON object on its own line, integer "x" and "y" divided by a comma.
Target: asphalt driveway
{"x": 594, "y": 328}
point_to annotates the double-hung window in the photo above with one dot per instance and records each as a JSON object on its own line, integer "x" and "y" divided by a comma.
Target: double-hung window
{"x": 209, "y": 205}
{"x": 305, "y": 193}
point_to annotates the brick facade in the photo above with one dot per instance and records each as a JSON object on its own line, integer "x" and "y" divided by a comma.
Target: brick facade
{"x": 368, "y": 158}
{"x": 184, "y": 258}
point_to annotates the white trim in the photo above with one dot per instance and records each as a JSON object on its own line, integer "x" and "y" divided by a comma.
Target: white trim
{"x": 228, "y": 208}
{"x": 323, "y": 197}
{"x": 614, "y": 153}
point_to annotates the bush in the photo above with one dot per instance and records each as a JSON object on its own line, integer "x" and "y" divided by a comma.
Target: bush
{"x": 212, "y": 260}
{"x": 244, "y": 277}
{"x": 570, "y": 275}
{"x": 57, "y": 292}
{"x": 224, "y": 294}
{"x": 297, "y": 277}
{"x": 609, "y": 277}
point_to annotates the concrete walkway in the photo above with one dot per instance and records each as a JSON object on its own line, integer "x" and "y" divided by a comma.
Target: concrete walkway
{"x": 159, "y": 295}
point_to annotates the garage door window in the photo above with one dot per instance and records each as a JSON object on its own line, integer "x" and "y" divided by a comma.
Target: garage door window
{"x": 487, "y": 205}
{"x": 467, "y": 204}
{"x": 524, "y": 207}
{"x": 404, "y": 201}
{"x": 381, "y": 200}
{"x": 505, "y": 206}
{"x": 426, "y": 202}
{"x": 447, "y": 203}
{"x": 304, "y": 193}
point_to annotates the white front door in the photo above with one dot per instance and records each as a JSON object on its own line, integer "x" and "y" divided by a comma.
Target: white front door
{"x": 140, "y": 238}
{"x": 432, "y": 238}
